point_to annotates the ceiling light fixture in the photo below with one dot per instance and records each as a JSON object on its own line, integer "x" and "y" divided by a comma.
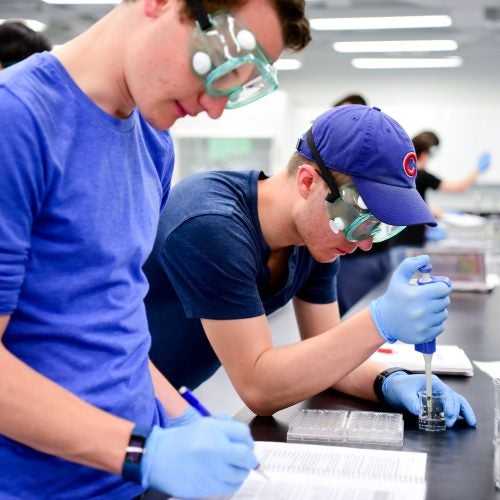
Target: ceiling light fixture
{"x": 380, "y": 23}
{"x": 396, "y": 46}
{"x": 287, "y": 64}
{"x": 407, "y": 63}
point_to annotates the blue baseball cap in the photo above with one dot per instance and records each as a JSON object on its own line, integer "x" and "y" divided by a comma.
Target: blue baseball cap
{"x": 372, "y": 148}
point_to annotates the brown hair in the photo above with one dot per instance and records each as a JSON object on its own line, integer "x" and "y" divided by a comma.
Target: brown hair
{"x": 291, "y": 13}
{"x": 296, "y": 160}
{"x": 351, "y": 99}
{"x": 424, "y": 141}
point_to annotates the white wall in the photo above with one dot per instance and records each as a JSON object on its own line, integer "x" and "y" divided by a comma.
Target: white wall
{"x": 464, "y": 114}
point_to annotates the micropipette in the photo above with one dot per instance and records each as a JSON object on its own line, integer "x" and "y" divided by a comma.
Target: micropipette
{"x": 429, "y": 348}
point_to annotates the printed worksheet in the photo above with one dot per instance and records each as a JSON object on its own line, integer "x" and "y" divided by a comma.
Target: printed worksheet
{"x": 316, "y": 472}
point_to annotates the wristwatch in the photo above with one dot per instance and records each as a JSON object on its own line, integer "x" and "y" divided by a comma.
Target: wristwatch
{"x": 379, "y": 380}
{"x": 131, "y": 470}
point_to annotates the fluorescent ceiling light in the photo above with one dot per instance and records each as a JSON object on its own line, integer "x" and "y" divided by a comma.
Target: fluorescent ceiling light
{"x": 81, "y": 2}
{"x": 380, "y": 23}
{"x": 395, "y": 63}
{"x": 396, "y": 46}
{"x": 31, "y": 23}
{"x": 287, "y": 64}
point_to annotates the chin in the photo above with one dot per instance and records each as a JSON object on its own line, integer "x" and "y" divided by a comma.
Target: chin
{"x": 325, "y": 259}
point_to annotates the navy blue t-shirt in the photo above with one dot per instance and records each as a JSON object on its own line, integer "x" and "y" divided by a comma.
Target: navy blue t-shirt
{"x": 210, "y": 261}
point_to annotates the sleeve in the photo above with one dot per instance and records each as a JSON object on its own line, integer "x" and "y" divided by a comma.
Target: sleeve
{"x": 166, "y": 178}
{"x": 320, "y": 287}
{"x": 22, "y": 180}
{"x": 212, "y": 264}
{"x": 426, "y": 180}
{"x": 434, "y": 182}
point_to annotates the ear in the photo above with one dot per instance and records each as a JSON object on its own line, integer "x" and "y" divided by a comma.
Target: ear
{"x": 154, "y": 8}
{"x": 306, "y": 179}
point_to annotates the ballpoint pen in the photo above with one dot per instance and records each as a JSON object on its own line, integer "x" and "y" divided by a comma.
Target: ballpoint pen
{"x": 193, "y": 401}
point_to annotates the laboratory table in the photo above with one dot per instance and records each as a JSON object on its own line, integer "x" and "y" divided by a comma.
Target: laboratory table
{"x": 459, "y": 460}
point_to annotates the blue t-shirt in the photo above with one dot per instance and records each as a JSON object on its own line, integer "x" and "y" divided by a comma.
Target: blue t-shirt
{"x": 81, "y": 193}
{"x": 210, "y": 261}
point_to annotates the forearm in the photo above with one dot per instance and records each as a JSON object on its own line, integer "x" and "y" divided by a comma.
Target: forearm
{"x": 171, "y": 400}
{"x": 460, "y": 185}
{"x": 285, "y": 375}
{"x": 44, "y": 416}
{"x": 360, "y": 381}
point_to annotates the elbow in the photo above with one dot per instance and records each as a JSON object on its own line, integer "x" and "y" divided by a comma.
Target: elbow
{"x": 259, "y": 403}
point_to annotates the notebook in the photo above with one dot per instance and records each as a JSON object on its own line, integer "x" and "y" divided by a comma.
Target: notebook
{"x": 313, "y": 471}
{"x": 448, "y": 359}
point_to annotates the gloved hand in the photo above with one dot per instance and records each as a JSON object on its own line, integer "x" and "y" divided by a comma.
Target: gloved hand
{"x": 411, "y": 313}
{"x": 206, "y": 457}
{"x": 190, "y": 415}
{"x": 484, "y": 162}
{"x": 401, "y": 391}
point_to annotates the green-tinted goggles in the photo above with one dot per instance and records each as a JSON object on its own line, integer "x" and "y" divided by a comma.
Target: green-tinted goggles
{"x": 231, "y": 62}
{"x": 350, "y": 215}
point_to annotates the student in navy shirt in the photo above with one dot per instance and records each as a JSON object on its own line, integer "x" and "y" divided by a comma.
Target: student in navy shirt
{"x": 233, "y": 247}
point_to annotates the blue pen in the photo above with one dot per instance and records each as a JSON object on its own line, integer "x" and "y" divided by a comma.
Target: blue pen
{"x": 193, "y": 401}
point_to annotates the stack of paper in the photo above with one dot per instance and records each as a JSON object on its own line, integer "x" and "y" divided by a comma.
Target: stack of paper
{"x": 448, "y": 359}
{"x": 312, "y": 472}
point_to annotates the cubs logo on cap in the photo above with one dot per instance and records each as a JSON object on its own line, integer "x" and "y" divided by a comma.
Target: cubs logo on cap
{"x": 410, "y": 164}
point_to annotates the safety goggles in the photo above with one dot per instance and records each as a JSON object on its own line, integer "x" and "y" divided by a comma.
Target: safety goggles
{"x": 349, "y": 214}
{"x": 228, "y": 58}
{"x": 347, "y": 210}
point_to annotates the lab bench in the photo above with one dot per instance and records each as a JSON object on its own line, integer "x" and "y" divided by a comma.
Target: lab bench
{"x": 459, "y": 460}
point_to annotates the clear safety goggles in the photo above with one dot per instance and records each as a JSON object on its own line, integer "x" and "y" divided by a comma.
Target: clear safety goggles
{"x": 349, "y": 214}
{"x": 227, "y": 56}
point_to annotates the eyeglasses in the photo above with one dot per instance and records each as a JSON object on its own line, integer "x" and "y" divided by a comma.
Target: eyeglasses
{"x": 347, "y": 210}
{"x": 229, "y": 59}
{"x": 349, "y": 214}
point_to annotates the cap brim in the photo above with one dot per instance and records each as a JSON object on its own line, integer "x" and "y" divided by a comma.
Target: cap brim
{"x": 395, "y": 205}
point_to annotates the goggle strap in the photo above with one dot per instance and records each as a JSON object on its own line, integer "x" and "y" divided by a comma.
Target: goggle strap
{"x": 334, "y": 191}
{"x": 200, "y": 14}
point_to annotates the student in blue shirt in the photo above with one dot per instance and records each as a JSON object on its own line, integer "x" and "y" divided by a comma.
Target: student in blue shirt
{"x": 233, "y": 247}
{"x": 86, "y": 165}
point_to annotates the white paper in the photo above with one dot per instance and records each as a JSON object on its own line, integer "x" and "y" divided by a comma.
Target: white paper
{"x": 449, "y": 359}
{"x": 492, "y": 368}
{"x": 312, "y": 472}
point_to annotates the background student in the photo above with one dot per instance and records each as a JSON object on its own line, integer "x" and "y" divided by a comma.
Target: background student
{"x": 86, "y": 168}
{"x": 18, "y": 41}
{"x": 233, "y": 247}
{"x": 361, "y": 270}
{"x": 426, "y": 144}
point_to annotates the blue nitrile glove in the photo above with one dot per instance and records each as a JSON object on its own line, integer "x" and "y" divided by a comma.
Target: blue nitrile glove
{"x": 401, "y": 391}
{"x": 206, "y": 457}
{"x": 436, "y": 233}
{"x": 412, "y": 314}
{"x": 190, "y": 415}
{"x": 484, "y": 162}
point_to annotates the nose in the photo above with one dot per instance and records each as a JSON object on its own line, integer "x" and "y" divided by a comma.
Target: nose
{"x": 213, "y": 106}
{"x": 365, "y": 245}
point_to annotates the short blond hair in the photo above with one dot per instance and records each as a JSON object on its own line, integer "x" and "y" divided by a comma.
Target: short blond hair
{"x": 296, "y": 160}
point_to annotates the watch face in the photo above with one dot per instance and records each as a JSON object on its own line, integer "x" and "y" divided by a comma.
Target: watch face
{"x": 131, "y": 470}
{"x": 135, "y": 449}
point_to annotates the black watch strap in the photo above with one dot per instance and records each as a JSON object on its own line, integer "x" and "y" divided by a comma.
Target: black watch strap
{"x": 379, "y": 380}
{"x": 131, "y": 470}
